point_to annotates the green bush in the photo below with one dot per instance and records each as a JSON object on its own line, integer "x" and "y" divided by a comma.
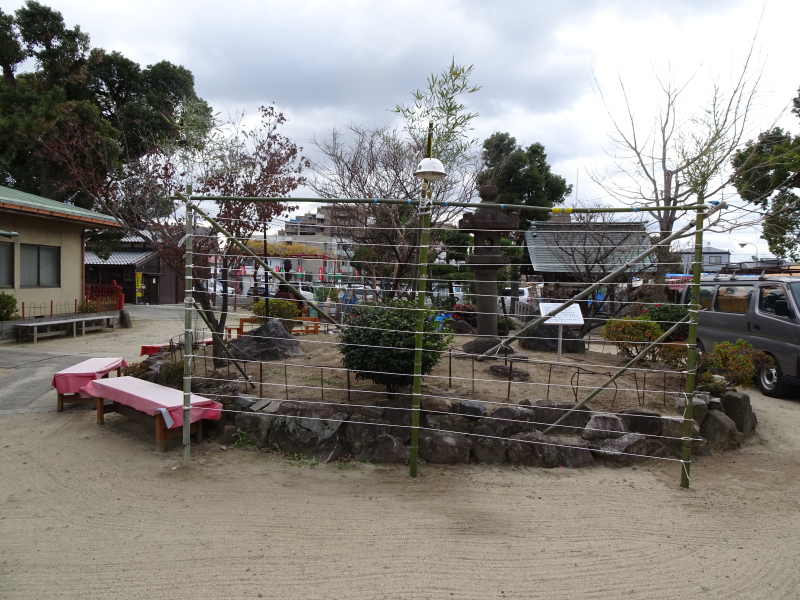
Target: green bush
{"x": 736, "y": 361}
{"x": 666, "y": 315}
{"x": 8, "y": 307}
{"x": 379, "y": 343}
{"x": 283, "y": 310}
{"x": 172, "y": 374}
{"x": 137, "y": 369}
{"x": 632, "y": 335}
{"x": 321, "y": 294}
{"x": 87, "y": 307}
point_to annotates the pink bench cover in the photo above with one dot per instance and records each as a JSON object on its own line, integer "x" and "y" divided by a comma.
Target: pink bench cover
{"x": 71, "y": 380}
{"x": 151, "y": 398}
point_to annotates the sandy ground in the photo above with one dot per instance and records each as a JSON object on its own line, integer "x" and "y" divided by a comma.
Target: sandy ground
{"x": 95, "y": 512}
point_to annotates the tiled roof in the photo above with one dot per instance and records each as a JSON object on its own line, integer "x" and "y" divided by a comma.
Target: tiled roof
{"x": 120, "y": 258}
{"x": 575, "y": 248}
{"x": 36, "y": 205}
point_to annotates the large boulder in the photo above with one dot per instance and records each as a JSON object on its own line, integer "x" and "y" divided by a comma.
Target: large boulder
{"x": 639, "y": 420}
{"x": 448, "y": 422}
{"x": 502, "y": 371}
{"x": 436, "y": 404}
{"x": 330, "y": 450}
{"x": 623, "y": 450}
{"x": 459, "y": 326}
{"x": 573, "y": 452}
{"x": 363, "y": 430}
{"x": 397, "y": 413}
{"x": 255, "y": 425}
{"x": 268, "y": 342}
{"x": 486, "y": 448}
{"x": 547, "y": 412}
{"x": 699, "y": 406}
{"x": 472, "y": 408}
{"x": 384, "y": 449}
{"x": 533, "y": 449}
{"x": 544, "y": 338}
{"x": 510, "y": 420}
{"x": 444, "y": 448}
{"x": 737, "y": 407}
{"x": 604, "y": 426}
{"x": 303, "y": 426}
{"x": 719, "y": 430}
{"x": 672, "y": 436}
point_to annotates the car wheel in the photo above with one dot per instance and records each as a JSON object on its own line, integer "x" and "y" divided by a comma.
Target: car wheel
{"x": 770, "y": 381}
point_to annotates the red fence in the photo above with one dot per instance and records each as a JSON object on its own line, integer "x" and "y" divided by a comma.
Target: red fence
{"x": 55, "y": 308}
{"x": 105, "y": 291}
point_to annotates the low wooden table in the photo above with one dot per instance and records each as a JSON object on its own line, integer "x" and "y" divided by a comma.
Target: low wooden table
{"x": 68, "y": 382}
{"x": 163, "y": 433}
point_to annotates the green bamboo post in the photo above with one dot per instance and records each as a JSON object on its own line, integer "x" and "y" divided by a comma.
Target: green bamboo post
{"x": 691, "y": 357}
{"x": 421, "y": 285}
{"x": 187, "y": 338}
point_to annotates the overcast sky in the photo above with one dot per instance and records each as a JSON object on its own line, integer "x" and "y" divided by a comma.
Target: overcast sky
{"x": 327, "y": 62}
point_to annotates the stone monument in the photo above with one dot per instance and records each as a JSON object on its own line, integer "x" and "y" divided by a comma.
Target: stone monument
{"x": 486, "y": 225}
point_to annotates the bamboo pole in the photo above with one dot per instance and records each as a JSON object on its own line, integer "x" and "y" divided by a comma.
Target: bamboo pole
{"x": 421, "y": 286}
{"x": 691, "y": 358}
{"x": 608, "y": 278}
{"x": 187, "y": 335}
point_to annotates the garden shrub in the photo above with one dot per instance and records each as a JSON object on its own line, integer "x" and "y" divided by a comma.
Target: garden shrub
{"x": 467, "y": 313}
{"x": 505, "y": 325}
{"x": 8, "y": 307}
{"x": 379, "y": 344}
{"x": 631, "y": 335}
{"x": 87, "y": 307}
{"x": 172, "y": 374}
{"x": 283, "y": 310}
{"x": 137, "y": 370}
{"x": 736, "y": 361}
{"x": 666, "y": 315}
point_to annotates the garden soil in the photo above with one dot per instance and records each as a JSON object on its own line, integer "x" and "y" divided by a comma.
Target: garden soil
{"x": 90, "y": 511}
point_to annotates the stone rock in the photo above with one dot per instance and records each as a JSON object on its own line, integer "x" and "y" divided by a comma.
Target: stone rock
{"x": 719, "y": 430}
{"x": 716, "y": 404}
{"x": 657, "y": 449}
{"x": 448, "y": 422}
{"x": 435, "y": 404}
{"x": 225, "y": 436}
{"x": 483, "y": 343}
{"x": 699, "y": 407}
{"x": 502, "y": 372}
{"x": 384, "y": 449}
{"x": 444, "y": 448}
{"x": 573, "y": 452}
{"x": 268, "y": 342}
{"x": 510, "y": 420}
{"x": 672, "y": 434}
{"x": 623, "y": 450}
{"x": 525, "y": 402}
{"x": 261, "y": 404}
{"x": 363, "y": 431}
{"x": 398, "y": 415}
{"x": 372, "y": 412}
{"x": 255, "y": 425}
{"x": 472, "y": 408}
{"x": 639, "y": 420}
{"x": 330, "y": 450}
{"x": 545, "y": 339}
{"x": 125, "y": 319}
{"x": 459, "y": 326}
{"x": 244, "y": 401}
{"x": 300, "y": 427}
{"x": 533, "y": 449}
{"x": 704, "y": 396}
{"x": 604, "y": 426}
{"x": 488, "y": 449}
{"x": 547, "y": 412}
{"x": 737, "y": 407}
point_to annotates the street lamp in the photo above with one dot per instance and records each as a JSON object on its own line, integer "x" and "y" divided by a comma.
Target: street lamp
{"x": 743, "y": 244}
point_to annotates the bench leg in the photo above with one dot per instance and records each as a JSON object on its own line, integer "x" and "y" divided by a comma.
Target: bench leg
{"x": 60, "y": 406}
{"x": 160, "y": 445}
{"x": 101, "y": 411}
{"x": 119, "y": 371}
{"x": 199, "y": 431}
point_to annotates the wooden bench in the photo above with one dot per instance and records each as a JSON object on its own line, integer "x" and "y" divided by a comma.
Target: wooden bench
{"x": 68, "y": 382}
{"x": 108, "y": 323}
{"x": 309, "y": 325}
{"x": 240, "y": 328}
{"x": 157, "y": 421}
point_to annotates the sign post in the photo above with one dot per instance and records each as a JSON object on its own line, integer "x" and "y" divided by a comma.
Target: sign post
{"x": 569, "y": 316}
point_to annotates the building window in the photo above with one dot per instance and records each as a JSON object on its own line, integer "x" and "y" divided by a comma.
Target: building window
{"x": 733, "y": 299}
{"x": 40, "y": 266}
{"x": 714, "y": 260}
{"x": 6, "y": 264}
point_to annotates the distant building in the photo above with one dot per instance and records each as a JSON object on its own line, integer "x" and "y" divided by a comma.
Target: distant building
{"x": 330, "y": 220}
{"x": 714, "y": 259}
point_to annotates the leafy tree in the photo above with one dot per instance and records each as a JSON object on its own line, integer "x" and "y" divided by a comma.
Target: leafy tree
{"x": 768, "y": 175}
{"x": 522, "y": 176}
{"x": 378, "y": 343}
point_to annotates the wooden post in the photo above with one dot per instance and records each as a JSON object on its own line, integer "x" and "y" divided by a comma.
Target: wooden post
{"x": 286, "y": 381}
{"x": 510, "y": 371}
{"x": 261, "y": 380}
{"x": 348, "y": 386}
{"x": 321, "y": 384}
{"x": 473, "y": 372}
{"x": 549, "y": 376}
{"x": 450, "y": 379}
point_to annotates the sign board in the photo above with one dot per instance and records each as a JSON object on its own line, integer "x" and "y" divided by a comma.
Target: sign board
{"x": 570, "y": 316}
{"x": 138, "y": 285}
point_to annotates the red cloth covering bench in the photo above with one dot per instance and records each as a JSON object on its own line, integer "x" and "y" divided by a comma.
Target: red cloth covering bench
{"x": 150, "y": 403}
{"x": 68, "y": 382}
{"x": 149, "y": 349}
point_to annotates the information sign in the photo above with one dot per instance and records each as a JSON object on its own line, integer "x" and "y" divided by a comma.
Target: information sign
{"x": 570, "y": 316}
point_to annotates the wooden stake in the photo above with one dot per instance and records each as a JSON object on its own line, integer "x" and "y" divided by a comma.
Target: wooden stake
{"x": 473, "y": 372}
{"x": 348, "y": 386}
{"x": 260, "y": 380}
{"x": 286, "y": 381}
{"x": 510, "y": 371}
{"x": 450, "y": 380}
{"x": 321, "y": 384}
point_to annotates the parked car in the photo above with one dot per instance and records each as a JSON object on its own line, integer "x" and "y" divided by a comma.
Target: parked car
{"x": 524, "y": 297}
{"x": 764, "y": 311}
